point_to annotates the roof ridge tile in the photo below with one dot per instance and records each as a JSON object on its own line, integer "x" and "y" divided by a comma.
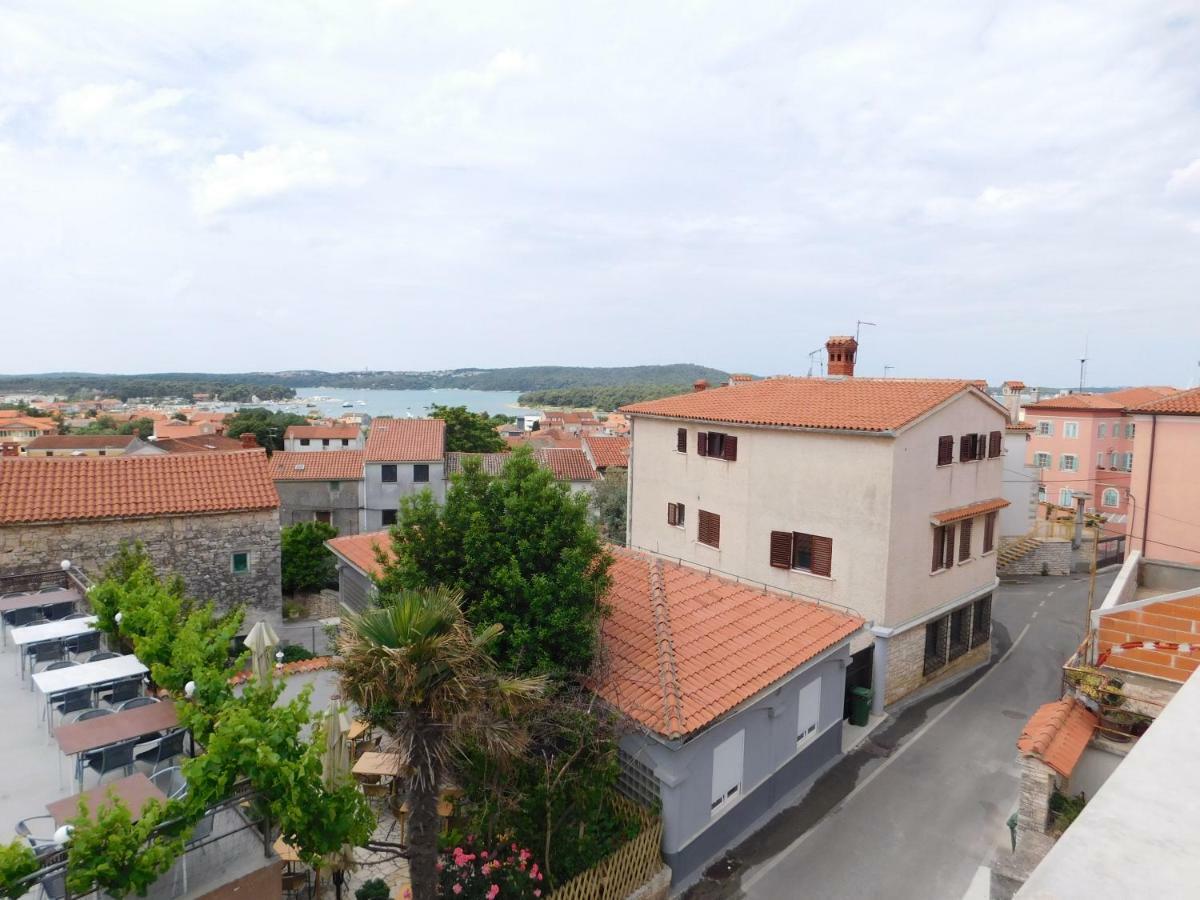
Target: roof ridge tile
{"x": 668, "y": 672}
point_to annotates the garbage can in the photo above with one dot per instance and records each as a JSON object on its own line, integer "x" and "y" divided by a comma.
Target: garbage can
{"x": 860, "y": 705}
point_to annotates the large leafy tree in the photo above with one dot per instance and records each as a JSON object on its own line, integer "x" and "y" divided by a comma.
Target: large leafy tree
{"x": 419, "y": 672}
{"x": 609, "y": 504}
{"x": 521, "y": 549}
{"x": 268, "y": 427}
{"x": 308, "y": 565}
{"x": 468, "y": 432}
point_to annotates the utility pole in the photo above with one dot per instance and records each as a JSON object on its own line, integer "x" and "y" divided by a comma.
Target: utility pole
{"x": 1087, "y": 622}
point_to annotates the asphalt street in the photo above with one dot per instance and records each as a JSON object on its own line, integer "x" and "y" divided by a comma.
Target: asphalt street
{"x": 921, "y": 804}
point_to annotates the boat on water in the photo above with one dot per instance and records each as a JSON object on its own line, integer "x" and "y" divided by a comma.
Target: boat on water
{"x": 347, "y": 405}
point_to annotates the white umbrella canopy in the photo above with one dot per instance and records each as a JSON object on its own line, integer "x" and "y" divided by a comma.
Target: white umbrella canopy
{"x": 260, "y": 640}
{"x": 336, "y": 760}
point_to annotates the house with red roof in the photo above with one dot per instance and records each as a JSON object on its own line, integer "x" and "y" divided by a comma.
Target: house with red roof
{"x": 401, "y": 458}
{"x": 320, "y": 487}
{"x": 877, "y": 494}
{"x": 358, "y": 565}
{"x": 606, "y": 451}
{"x": 309, "y": 438}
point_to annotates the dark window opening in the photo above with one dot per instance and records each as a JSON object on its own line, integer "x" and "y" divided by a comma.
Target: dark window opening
{"x": 935, "y": 645}
{"x": 389, "y": 517}
{"x": 681, "y": 440}
{"x": 241, "y": 562}
{"x": 421, "y": 473}
{"x": 959, "y": 622}
{"x": 981, "y": 621}
{"x": 387, "y": 473}
{"x": 945, "y": 454}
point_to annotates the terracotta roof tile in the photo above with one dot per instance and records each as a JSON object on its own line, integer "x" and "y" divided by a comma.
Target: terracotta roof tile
{"x": 199, "y": 444}
{"x": 970, "y": 510}
{"x": 359, "y": 550}
{"x": 406, "y": 440}
{"x": 1111, "y": 401}
{"x": 566, "y": 464}
{"x": 850, "y": 404}
{"x": 1184, "y": 403}
{"x": 318, "y": 432}
{"x": 81, "y": 442}
{"x": 546, "y": 437}
{"x": 683, "y": 647}
{"x": 1057, "y": 734}
{"x": 323, "y": 465}
{"x": 38, "y": 424}
{"x": 36, "y": 489}
{"x": 492, "y": 463}
{"x": 608, "y": 450}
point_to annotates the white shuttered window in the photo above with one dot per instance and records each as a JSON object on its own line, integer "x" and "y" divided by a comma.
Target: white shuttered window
{"x": 810, "y": 712}
{"x": 727, "y": 772}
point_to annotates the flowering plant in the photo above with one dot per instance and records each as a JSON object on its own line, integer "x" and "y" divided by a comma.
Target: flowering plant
{"x": 472, "y": 871}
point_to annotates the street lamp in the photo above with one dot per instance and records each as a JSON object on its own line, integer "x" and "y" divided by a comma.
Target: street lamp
{"x": 189, "y": 689}
{"x": 65, "y": 565}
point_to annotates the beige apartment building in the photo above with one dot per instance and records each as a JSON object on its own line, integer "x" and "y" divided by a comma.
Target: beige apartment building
{"x": 877, "y": 495}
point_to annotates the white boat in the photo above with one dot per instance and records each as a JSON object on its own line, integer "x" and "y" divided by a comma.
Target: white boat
{"x": 347, "y": 405}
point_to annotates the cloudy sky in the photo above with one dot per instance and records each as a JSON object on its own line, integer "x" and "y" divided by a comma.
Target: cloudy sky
{"x": 199, "y": 186}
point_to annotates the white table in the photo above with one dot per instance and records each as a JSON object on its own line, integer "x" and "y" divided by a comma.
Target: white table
{"x": 92, "y": 674}
{"x": 58, "y": 630}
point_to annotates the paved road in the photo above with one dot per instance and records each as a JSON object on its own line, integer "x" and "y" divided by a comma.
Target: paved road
{"x": 915, "y": 810}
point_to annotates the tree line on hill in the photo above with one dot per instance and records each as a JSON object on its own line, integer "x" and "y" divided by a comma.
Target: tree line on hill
{"x": 608, "y": 397}
{"x": 83, "y": 386}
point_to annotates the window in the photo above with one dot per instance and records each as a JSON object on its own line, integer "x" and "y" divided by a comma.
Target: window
{"x": 995, "y": 444}
{"x": 1045, "y": 428}
{"x": 389, "y": 517}
{"x": 935, "y": 645}
{"x": 810, "y": 712}
{"x": 104, "y": 453}
{"x": 1064, "y": 497}
{"x": 945, "y": 450}
{"x": 981, "y": 620}
{"x": 323, "y": 515}
{"x": 966, "y": 447}
{"x": 1041, "y": 493}
{"x": 716, "y": 444}
{"x": 989, "y": 531}
{"x": 335, "y": 488}
{"x": 1114, "y": 460}
{"x": 676, "y": 514}
{"x": 959, "y": 621}
{"x": 387, "y": 473}
{"x": 805, "y": 552}
{"x": 1068, "y": 462}
{"x": 240, "y": 562}
{"x": 964, "y": 541}
{"x": 1128, "y": 462}
{"x": 1102, "y": 430}
{"x": 709, "y": 531}
{"x": 324, "y": 442}
{"x": 421, "y": 473}
{"x": 727, "y": 772}
{"x": 681, "y": 440}
{"x": 345, "y": 442}
{"x": 1042, "y": 460}
{"x": 943, "y": 547}
{"x": 1111, "y": 497}
{"x": 637, "y": 781}
{"x": 303, "y": 442}
{"x": 1100, "y": 460}
{"x": 1129, "y": 430}
{"x": 1071, "y": 429}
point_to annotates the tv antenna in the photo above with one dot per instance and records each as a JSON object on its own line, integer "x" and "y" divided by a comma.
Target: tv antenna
{"x": 812, "y": 361}
{"x": 886, "y": 369}
{"x": 1083, "y": 364}
{"x": 858, "y": 328}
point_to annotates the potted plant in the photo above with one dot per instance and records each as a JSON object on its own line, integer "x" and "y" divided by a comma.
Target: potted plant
{"x": 1118, "y": 724}
{"x": 374, "y": 889}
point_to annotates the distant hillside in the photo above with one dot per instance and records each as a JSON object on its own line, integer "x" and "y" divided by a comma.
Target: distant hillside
{"x": 236, "y": 387}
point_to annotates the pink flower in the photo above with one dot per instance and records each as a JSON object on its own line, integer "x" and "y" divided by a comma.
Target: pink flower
{"x": 493, "y": 891}
{"x": 440, "y": 865}
{"x": 457, "y": 888}
{"x": 483, "y": 854}
{"x": 407, "y": 893}
{"x": 537, "y": 892}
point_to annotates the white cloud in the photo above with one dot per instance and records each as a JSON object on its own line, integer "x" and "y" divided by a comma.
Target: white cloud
{"x": 125, "y": 114}
{"x": 232, "y": 180}
{"x": 1185, "y": 180}
{"x": 505, "y": 65}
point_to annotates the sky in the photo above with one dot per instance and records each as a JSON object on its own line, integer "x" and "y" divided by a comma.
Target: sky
{"x": 424, "y": 185}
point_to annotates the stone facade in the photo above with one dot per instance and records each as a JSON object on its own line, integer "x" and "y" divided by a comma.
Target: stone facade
{"x": 906, "y": 663}
{"x": 1054, "y": 555}
{"x": 198, "y": 547}
{"x": 303, "y": 501}
{"x": 1038, "y": 782}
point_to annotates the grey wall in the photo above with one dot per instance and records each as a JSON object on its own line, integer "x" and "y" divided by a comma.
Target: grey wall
{"x": 300, "y": 500}
{"x": 355, "y": 589}
{"x": 772, "y": 767}
{"x": 380, "y": 496}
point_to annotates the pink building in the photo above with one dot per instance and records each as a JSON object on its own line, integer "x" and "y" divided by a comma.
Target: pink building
{"x": 1164, "y": 492}
{"x": 1085, "y": 442}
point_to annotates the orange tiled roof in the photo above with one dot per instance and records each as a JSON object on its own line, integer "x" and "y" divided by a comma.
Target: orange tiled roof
{"x": 406, "y": 440}
{"x": 491, "y": 463}
{"x": 683, "y": 647}
{"x": 545, "y": 437}
{"x": 326, "y": 465}
{"x": 38, "y": 424}
{"x": 608, "y": 450}
{"x": 319, "y": 432}
{"x": 36, "y": 489}
{"x": 966, "y": 512}
{"x": 566, "y": 464}
{"x": 849, "y": 404}
{"x": 1014, "y": 385}
{"x": 1184, "y": 403}
{"x": 1111, "y": 401}
{"x": 359, "y": 550}
{"x": 1166, "y": 622}
{"x": 1057, "y": 734}
{"x": 1020, "y": 426}
{"x": 199, "y": 443}
{"x": 81, "y": 442}
{"x": 172, "y": 428}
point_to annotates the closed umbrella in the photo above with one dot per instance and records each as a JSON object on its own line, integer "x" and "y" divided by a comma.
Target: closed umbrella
{"x": 260, "y": 640}
{"x": 335, "y": 765}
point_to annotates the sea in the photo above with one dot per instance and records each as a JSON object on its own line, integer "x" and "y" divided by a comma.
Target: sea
{"x": 335, "y": 402}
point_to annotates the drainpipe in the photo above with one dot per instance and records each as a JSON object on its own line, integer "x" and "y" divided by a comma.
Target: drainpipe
{"x": 629, "y": 487}
{"x": 1149, "y": 482}
{"x": 879, "y": 664}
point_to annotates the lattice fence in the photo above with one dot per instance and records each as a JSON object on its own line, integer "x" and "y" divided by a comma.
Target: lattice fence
{"x": 621, "y": 873}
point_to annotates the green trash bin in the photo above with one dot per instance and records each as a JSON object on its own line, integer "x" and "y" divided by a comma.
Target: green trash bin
{"x": 860, "y": 705}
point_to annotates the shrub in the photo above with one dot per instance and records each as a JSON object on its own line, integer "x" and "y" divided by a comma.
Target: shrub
{"x": 296, "y": 652}
{"x": 474, "y": 872}
{"x": 373, "y": 889}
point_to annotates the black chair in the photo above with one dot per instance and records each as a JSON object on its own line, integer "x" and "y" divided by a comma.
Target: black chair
{"x": 76, "y": 615}
{"x": 18, "y": 617}
{"x": 122, "y": 691}
{"x": 136, "y": 702}
{"x": 49, "y": 588}
{"x": 103, "y": 654}
{"x": 60, "y": 664}
{"x": 110, "y": 759}
{"x": 46, "y": 651}
{"x": 56, "y": 611}
{"x": 94, "y": 713}
{"x": 74, "y": 701}
{"x": 54, "y": 887}
{"x": 171, "y": 782}
{"x": 88, "y": 642}
{"x": 167, "y": 747}
{"x": 45, "y": 828}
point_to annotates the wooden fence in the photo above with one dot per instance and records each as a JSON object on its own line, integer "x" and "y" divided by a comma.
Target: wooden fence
{"x": 621, "y": 873}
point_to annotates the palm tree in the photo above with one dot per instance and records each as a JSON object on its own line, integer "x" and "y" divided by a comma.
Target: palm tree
{"x": 418, "y": 670}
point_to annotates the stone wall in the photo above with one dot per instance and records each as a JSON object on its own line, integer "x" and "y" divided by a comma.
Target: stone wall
{"x": 1038, "y": 782}
{"x": 200, "y": 548}
{"x": 906, "y": 663}
{"x": 1055, "y": 555}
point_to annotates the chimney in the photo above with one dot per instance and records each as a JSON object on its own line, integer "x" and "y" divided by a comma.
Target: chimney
{"x": 10, "y": 448}
{"x": 841, "y": 349}
{"x": 249, "y": 441}
{"x": 1011, "y": 394}
{"x": 700, "y": 385}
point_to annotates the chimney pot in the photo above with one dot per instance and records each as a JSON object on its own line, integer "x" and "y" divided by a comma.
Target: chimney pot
{"x": 842, "y": 350}
{"x": 249, "y": 441}
{"x": 700, "y": 385}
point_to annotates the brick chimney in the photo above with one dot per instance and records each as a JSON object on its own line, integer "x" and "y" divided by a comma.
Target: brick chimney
{"x": 249, "y": 441}
{"x": 700, "y": 385}
{"x": 841, "y": 349}
{"x": 10, "y": 448}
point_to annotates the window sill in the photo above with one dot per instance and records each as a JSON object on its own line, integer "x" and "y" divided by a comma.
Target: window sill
{"x": 811, "y": 574}
{"x": 963, "y": 562}
{"x": 709, "y": 546}
{"x": 936, "y": 572}
{"x": 724, "y": 808}
{"x": 986, "y": 553}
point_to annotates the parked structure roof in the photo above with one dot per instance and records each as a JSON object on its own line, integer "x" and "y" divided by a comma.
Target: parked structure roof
{"x": 1184, "y": 403}
{"x": 41, "y": 490}
{"x": 844, "y": 404}
{"x": 358, "y": 550}
{"x": 567, "y": 464}
{"x": 322, "y": 432}
{"x": 683, "y": 647}
{"x": 328, "y": 465}
{"x": 1058, "y": 733}
{"x": 608, "y": 450}
{"x": 406, "y": 440}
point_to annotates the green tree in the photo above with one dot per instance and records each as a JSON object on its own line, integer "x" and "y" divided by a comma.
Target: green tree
{"x": 268, "y": 427}
{"x": 468, "y": 432}
{"x": 17, "y": 863}
{"x": 609, "y": 504}
{"x": 523, "y": 552}
{"x": 419, "y": 672}
{"x": 308, "y": 565}
{"x": 143, "y": 428}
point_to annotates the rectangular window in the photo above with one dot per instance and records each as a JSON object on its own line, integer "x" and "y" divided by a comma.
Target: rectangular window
{"x": 716, "y": 444}
{"x": 324, "y": 442}
{"x": 345, "y": 442}
{"x": 966, "y": 448}
{"x": 676, "y": 514}
{"x": 804, "y": 552}
{"x": 809, "y": 718}
{"x": 335, "y": 488}
{"x": 1042, "y": 460}
{"x": 387, "y": 473}
{"x": 981, "y": 620}
{"x": 323, "y": 515}
{"x": 945, "y": 454}
{"x": 1114, "y": 459}
{"x": 727, "y": 772}
{"x": 959, "y": 639}
{"x": 989, "y": 532}
{"x": 995, "y": 444}
{"x": 709, "y": 531}
{"x": 1128, "y": 462}
{"x": 389, "y": 517}
{"x": 1068, "y": 462}
{"x": 1102, "y": 430}
{"x": 939, "y": 548}
{"x": 935, "y": 644}
{"x": 1045, "y": 428}
{"x": 1064, "y": 497}
{"x": 421, "y": 473}
{"x": 964, "y": 541}
{"x": 303, "y": 442}
{"x": 240, "y": 562}
{"x": 1129, "y": 430}
{"x": 1070, "y": 429}
{"x": 681, "y": 440}
{"x": 1100, "y": 460}
{"x": 981, "y": 446}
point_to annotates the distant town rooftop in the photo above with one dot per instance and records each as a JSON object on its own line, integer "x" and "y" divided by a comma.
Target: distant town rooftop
{"x": 1110, "y": 401}
{"x": 406, "y": 440}
{"x": 81, "y": 442}
{"x": 1185, "y": 403}
{"x": 329, "y": 465}
{"x": 322, "y": 432}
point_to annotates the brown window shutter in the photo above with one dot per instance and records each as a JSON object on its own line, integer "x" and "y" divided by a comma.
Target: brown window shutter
{"x": 980, "y": 446}
{"x": 995, "y": 445}
{"x": 939, "y": 547}
{"x": 709, "y": 531}
{"x": 680, "y": 514}
{"x": 781, "y": 549}
{"x": 681, "y": 440}
{"x": 964, "y": 541}
{"x": 730, "y": 448}
{"x": 945, "y": 454}
{"x": 672, "y": 514}
{"x": 949, "y": 546}
{"x": 702, "y": 443}
{"x": 964, "y": 448}
{"x": 822, "y": 555}
{"x": 989, "y": 532}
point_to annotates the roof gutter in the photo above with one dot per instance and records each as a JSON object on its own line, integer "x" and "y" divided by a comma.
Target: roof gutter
{"x": 891, "y": 432}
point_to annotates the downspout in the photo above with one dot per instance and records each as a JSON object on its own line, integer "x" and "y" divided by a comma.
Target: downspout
{"x": 1149, "y": 482}
{"x": 629, "y": 487}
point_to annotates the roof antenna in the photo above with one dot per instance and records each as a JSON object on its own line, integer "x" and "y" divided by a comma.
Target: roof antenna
{"x": 858, "y": 327}
{"x": 887, "y": 369}
{"x": 1083, "y": 364}
{"x": 812, "y": 361}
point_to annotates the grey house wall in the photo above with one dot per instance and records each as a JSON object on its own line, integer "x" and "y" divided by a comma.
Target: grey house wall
{"x": 380, "y": 496}
{"x": 300, "y": 501}
{"x": 771, "y": 767}
{"x": 355, "y": 589}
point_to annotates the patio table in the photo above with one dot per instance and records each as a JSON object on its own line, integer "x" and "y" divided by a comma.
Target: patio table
{"x": 79, "y": 738}
{"x": 34, "y": 601}
{"x": 105, "y": 671}
{"x": 133, "y": 791}
{"x": 375, "y": 763}
{"x": 60, "y": 629}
